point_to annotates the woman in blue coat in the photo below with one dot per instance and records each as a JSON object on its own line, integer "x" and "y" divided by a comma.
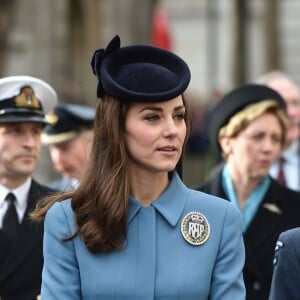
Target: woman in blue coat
{"x": 132, "y": 229}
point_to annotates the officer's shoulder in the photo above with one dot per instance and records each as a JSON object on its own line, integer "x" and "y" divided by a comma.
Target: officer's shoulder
{"x": 293, "y": 233}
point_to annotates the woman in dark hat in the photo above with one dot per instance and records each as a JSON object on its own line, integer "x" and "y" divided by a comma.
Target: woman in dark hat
{"x": 132, "y": 229}
{"x": 249, "y": 126}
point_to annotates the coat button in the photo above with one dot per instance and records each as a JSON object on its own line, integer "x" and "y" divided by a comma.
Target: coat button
{"x": 256, "y": 286}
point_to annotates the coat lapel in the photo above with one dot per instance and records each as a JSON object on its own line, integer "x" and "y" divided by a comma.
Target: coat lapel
{"x": 262, "y": 228}
{"x": 267, "y": 218}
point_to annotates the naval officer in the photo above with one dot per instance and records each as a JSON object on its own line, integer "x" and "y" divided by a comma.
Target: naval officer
{"x": 24, "y": 101}
{"x": 69, "y": 137}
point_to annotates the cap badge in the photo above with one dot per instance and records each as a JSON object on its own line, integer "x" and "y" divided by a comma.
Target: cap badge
{"x": 195, "y": 228}
{"x": 52, "y": 118}
{"x": 27, "y": 99}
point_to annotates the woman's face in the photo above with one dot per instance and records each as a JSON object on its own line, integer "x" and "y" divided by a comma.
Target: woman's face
{"x": 255, "y": 148}
{"x": 155, "y": 134}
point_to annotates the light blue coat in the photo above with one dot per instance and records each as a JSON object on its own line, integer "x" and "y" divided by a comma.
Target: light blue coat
{"x": 157, "y": 262}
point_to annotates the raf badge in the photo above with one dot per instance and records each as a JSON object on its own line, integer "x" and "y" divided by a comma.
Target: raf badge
{"x": 195, "y": 228}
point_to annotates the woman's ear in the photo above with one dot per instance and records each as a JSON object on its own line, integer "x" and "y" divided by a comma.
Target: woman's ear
{"x": 225, "y": 144}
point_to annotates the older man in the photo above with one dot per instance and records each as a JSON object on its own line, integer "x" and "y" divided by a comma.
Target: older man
{"x": 287, "y": 168}
{"x": 69, "y": 136}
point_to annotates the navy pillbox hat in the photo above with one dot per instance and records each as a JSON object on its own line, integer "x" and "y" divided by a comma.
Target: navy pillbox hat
{"x": 139, "y": 73}
{"x": 235, "y": 101}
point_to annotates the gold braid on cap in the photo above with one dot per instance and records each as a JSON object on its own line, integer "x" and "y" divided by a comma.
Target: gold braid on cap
{"x": 51, "y": 118}
{"x": 241, "y": 119}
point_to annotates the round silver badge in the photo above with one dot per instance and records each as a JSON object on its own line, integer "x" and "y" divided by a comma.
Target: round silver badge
{"x": 195, "y": 228}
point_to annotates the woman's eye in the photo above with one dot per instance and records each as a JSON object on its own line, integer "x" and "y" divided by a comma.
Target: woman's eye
{"x": 276, "y": 139}
{"x": 151, "y": 117}
{"x": 256, "y": 137}
{"x": 179, "y": 116}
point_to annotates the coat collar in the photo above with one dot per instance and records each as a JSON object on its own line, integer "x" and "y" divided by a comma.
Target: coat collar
{"x": 169, "y": 204}
{"x": 268, "y": 215}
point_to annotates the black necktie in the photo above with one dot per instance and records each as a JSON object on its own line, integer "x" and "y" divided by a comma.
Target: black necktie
{"x": 10, "y": 220}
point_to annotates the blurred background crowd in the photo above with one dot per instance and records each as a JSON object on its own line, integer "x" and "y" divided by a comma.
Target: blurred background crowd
{"x": 225, "y": 43}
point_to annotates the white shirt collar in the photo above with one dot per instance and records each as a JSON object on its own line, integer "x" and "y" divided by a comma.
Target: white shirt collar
{"x": 291, "y": 153}
{"x": 21, "y": 193}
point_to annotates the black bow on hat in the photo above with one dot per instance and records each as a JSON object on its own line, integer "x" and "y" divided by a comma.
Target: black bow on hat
{"x": 98, "y": 56}
{"x": 140, "y": 73}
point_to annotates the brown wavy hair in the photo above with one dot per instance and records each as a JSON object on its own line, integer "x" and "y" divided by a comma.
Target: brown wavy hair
{"x": 100, "y": 203}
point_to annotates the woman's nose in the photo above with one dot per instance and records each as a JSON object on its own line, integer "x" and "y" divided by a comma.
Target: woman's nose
{"x": 170, "y": 129}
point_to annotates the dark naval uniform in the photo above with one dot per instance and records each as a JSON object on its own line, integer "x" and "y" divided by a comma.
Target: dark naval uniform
{"x": 286, "y": 275}
{"x": 21, "y": 266}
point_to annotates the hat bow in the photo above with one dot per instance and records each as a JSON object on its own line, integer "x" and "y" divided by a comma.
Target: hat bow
{"x": 98, "y": 57}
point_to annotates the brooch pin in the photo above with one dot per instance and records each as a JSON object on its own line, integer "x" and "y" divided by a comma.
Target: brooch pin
{"x": 272, "y": 208}
{"x": 195, "y": 228}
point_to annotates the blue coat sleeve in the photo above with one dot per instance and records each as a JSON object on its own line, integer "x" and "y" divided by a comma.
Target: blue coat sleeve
{"x": 227, "y": 281}
{"x": 286, "y": 275}
{"x": 60, "y": 279}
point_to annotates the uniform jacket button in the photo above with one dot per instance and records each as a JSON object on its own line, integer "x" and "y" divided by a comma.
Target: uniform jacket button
{"x": 256, "y": 286}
